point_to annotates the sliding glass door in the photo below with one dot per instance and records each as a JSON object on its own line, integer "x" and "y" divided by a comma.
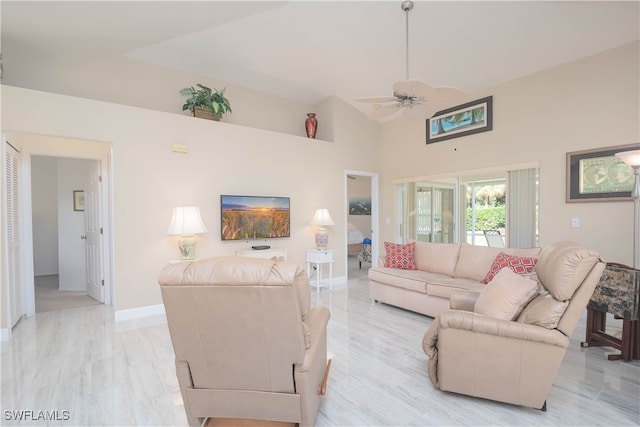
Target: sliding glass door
{"x": 497, "y": 208}
{"x": 485, "y": 212}
{"x": 428, "y": 212}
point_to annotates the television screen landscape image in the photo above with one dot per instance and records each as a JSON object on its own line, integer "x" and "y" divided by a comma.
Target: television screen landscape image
{"x": 254, "y": 217}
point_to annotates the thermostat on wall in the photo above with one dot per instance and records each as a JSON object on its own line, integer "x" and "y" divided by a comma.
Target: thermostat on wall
{"x": 179, "y": 148}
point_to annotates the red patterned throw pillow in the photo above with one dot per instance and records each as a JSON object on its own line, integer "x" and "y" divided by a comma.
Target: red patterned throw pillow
{"x": 400, "y": 256}
{"x": 520, "y": 265}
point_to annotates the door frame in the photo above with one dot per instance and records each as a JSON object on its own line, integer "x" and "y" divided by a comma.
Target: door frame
{"x": 104, "y": 155}
{"x": 375, "y": 214}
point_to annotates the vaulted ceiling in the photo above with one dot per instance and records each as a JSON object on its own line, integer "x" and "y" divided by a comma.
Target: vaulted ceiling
{"x": 309, "y": 50}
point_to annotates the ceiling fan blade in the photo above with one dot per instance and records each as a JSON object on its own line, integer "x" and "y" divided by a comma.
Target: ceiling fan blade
{"x": 413, "y": 88}
{"x": 383, "y": 111}
{"x": 376, "y": 99}
{"x": 447, "y": 96}
{"x": 418, "y": 112}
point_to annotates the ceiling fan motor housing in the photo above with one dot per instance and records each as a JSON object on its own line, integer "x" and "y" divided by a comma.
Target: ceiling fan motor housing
{"x": 406, "y": 5}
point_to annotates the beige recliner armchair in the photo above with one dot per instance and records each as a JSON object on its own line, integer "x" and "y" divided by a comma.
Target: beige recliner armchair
{"x": 514, "y": 361}
{"x": 247, "y": 343}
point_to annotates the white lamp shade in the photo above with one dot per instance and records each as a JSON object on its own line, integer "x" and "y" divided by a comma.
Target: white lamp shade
{"x": 186, "y": 220}
{"x": 632, "y": 158}
{"x": 322, "y": 217}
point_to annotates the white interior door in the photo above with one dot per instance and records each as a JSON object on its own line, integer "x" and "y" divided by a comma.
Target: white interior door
{"x": 13, "y": 233}
{"x": 93, "y": 233}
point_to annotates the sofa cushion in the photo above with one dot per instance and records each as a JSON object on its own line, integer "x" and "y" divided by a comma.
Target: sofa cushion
{"x": 475, "y": 261}
{"x": 443, "y": 286}
{"x": 506, "y": 295}
{"x": 544, "y": 311}
{"x": 414, "y": 280}
{"x": 400, "y": 256}
{"x": 437, "y": 257}
{"x": 520, "y": 265}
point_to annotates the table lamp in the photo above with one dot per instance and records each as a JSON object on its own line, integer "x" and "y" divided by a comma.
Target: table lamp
{"x": 632, "y": 158}
{"x": 322, "y": 218}
{"x": 187, "y": 222}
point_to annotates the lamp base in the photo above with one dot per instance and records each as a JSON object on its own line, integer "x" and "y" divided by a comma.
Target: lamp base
{"x": 187, "y": 246}
{"x": 322, "y": 238}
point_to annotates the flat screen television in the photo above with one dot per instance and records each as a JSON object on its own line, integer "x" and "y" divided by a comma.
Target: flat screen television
{"x": 254, "y": 217}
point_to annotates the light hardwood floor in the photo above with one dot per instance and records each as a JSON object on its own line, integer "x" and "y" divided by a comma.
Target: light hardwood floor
{"x": 103, "y": 373}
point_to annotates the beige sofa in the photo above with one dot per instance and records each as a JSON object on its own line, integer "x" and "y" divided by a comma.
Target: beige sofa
{"x": 513, "y": 355}
{"x": 247, "y": 343}
{"x": 442, "y": 268}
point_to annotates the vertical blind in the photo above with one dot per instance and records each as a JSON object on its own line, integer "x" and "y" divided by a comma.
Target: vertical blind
{"x": 521, "y": 208}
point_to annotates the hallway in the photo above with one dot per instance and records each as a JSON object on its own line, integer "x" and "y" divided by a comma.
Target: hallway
{"x": 49, "y": 298}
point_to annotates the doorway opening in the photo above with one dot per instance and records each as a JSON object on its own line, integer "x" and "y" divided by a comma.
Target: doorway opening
{"x": 361, "y": 219}
{"x": 93, "y": 194}
{"x": 58, "y": 221}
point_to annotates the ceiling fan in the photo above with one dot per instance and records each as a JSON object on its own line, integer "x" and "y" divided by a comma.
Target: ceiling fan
{"x": 415, "y": 98}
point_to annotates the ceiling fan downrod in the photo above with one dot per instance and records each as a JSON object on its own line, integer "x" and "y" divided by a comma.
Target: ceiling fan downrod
{"x": 407, "y": 5}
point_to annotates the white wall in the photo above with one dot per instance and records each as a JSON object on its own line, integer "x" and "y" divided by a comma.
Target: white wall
{"x": 149, "y": 179}
{"x": 149, "y": 86}
{"x": 44, "y": 205}
{"x": 585, "y": 104}
{"x": 72, "y": 175}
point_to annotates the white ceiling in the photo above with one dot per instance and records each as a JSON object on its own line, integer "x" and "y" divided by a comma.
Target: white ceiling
{"x": 309, "y": 50}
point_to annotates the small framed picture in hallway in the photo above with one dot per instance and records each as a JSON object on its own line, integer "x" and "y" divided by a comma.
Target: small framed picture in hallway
{"x": 78, "y": 200}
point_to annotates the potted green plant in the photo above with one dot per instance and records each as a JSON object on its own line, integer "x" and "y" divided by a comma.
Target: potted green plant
{"x": 205, "y": 103}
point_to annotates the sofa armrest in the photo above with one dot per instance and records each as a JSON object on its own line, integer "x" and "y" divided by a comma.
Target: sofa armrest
{"x": 463, "y": 300}
{"x": 317, "y": 321}
{"x": 494, "y": 359}
{"x": 479, "y": 324}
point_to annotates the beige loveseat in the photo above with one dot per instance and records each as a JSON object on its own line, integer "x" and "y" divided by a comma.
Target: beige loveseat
{"x": 247, "y": 342}
{"x": 442, "y": 268}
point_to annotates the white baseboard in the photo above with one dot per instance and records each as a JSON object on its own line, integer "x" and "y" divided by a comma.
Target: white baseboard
{"x": 5, "y": 334}
{"x": 139, "y": 313}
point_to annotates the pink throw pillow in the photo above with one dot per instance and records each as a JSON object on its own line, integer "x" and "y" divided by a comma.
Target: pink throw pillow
{"x": 400, "y": 256}
{"x": 518, "y": 264}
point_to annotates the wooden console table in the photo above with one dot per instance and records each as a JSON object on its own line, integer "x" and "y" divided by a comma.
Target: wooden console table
{"x": 618, "y": 293}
